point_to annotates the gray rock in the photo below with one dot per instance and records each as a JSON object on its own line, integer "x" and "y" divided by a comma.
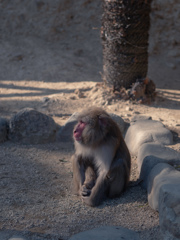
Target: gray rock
{"x": 120, "y": 122}
{"x": 151, "y": 154}
{"x": 144, "y": 131}
{"x": 3, "y": 129}
{"x": 141, "y": 117}
{"x": 65, "y": 133}
{"x": 108, "y": 233}
{"x": 32, "y": 127}
{"x": 164, "y": 196}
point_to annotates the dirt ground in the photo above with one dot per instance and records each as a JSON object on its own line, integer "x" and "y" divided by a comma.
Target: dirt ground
{"x": 43, "y": 73}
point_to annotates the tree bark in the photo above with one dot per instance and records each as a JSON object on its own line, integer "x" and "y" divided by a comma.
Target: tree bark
{"x": 124, "y": 33}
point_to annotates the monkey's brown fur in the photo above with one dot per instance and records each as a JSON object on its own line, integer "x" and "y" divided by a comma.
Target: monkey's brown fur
{"x": 101, "y": 163}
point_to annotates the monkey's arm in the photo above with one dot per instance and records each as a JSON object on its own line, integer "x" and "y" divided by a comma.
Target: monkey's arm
{"x": 78, "y": 174}
{"x": 97, "y": 192}
{"x": 90, "y": 180}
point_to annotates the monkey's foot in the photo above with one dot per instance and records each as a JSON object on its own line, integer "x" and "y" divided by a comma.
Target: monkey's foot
{"x": 87, "y": 201}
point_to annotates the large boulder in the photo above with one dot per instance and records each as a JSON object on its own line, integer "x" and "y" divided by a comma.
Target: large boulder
{"x": 120, "y": 122}
{"x": 32, "y": 127}
{"x": 65, "y": 133}
{"x": 144, "y": 131}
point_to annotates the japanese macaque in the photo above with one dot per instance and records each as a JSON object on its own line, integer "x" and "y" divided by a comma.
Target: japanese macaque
{"x": 101, "y": 163}
{"x": 144, "y": 90}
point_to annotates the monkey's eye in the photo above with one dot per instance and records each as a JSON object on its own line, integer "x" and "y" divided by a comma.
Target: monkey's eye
{"x": 82, "y": 123}
{"x": 84, "y": 120}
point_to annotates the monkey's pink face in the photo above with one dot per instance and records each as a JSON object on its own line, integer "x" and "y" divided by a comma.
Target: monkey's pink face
{"x": 90, "y": 130}
{"x": 78, "y": 131}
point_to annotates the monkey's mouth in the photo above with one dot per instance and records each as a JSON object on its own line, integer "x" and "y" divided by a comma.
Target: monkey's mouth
{"x": 77, "y": 138}
{"x": 78, "y": 131}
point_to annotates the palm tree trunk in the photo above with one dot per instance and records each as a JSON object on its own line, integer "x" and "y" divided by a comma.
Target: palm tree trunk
{"x": 125, "y": 32}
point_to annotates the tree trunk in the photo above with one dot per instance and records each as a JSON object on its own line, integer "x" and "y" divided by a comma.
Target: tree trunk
{"x": 125, "y": 32}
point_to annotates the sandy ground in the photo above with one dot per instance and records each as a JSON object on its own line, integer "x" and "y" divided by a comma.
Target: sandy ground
{"x": 42, "y": 73}
{"x": 35, "y": 193}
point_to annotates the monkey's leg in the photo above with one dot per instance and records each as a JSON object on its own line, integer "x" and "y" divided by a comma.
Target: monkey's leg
{"x": 78, "y": 174}
{"x": 117, "y": 177}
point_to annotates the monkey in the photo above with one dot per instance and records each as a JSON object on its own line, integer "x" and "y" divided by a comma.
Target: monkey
{"x": 138, "y": 91}
{"x": 101, "y": 162}
{"x": 143, "y": 90}
{"x": 150, "y": 89}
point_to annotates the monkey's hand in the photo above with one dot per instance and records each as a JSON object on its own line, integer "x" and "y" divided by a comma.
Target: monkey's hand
{"x": 97, "y": 192}
{"x": 85, "y": 191}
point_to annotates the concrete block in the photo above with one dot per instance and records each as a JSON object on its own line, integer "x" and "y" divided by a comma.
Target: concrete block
{"x": 140, "y": 117}
{"x": 164, "y": 196}
{"x": 144, "y": 131}
{"x": 151, "y": 154}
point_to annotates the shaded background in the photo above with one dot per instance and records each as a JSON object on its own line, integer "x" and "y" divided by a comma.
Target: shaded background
{"x": 52, "y": 40}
